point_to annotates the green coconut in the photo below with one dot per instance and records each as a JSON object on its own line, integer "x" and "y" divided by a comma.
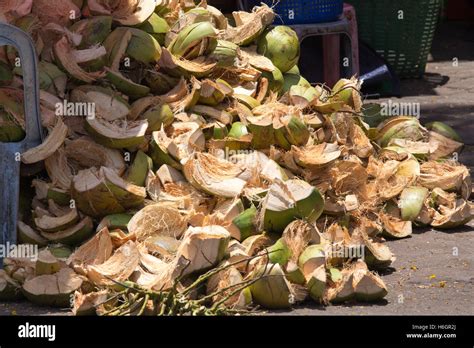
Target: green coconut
{"x": 108, "y": 104}
{"x": 156, "y": 26}
{"x": 445, "y": 130}
{"x": 302, "y": 96}
{"x": 272, "y": 290}
{"x": 368, "y": 287}
{"x": 275, "y": 80}
{"x": 411, "y": 202}
{"x": 114, "y": 136}
{"x": 159, "y": 82}
{"x": 401, "y": 127}
{"x": 59, "y": 196}
{"x": 159, "y": 153}
{"x": 377, "y": 255}
{"x": 310, "y": 259}
{"x": 138, "y": 171}
{"x": 10, "y": 130}
{"x": 125, "y": 85}
{"x": 187, "y": 43}
{"x": 46, "y": 263}
{"x": 291, "y": 79}
{"x": 282, "y": 46}
{"x": 93, "y": 30}
{"x": 100, "y": 192}
{"x": 291, "y": 130}
{"x": 136, "y": 43}
{"x": 49, "y": 223}
{"x": 115, "y": 221}
{"x": 214, "y": 92}
{"x": 279, "y": 253}
{"x": 60, "y": 251}
{"x": 288, "y": 201}
{"x": 248, "y": 101}
{"x": 201, "y": 249}
{"x": 225, "y": 53}
{"x": 294, "y": 273}
{"x": 27, "y": 235}
{"x": 143, "y": 47}
{"x": 261, "y": 128}
{"x": 73, "y": 235}
{"x": 158, "y": 116}
{"x": 245, "y": 222}
{"x": 316, "y": 283}
{"x": 348, "y": 91}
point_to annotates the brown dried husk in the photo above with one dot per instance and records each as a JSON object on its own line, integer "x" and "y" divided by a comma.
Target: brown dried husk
{"x": 65, "y": 55}
{"x": 94, "y": 252}
{"x": 215, "y": 176}
{"x": 157, "y": 219}
{"x": 448, "y": 176}
{"x": 118, "y": 267}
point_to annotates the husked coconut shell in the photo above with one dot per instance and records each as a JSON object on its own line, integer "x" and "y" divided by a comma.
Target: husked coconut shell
{"x": 215, "y": 176}
{"x": 65, "y": 57}
{"x": 448, "y": 176}
{"x": 54, "y": 140}
{"x": 118, "y": 267}
{"x": 72, "y": 235}
{"x": 450, "y": 211}
{"x": 377, "y": 255}
{"x": 28, "y": 235}
{"x": 316, "y": 283}
{"x": 85, "y": 304}
{"x": 46, "y": 263}
{"x": 100, "y": 192}
{"x": 58, "y": 170}
{"x": 94, "y": 252}
{"x": 249, "y": 25}
{"x": 368, "y": 287}
{"x": 312, "y": 258}
{"x": 157, "y": 220}
{"x": 116, "y": 136}
{"x": 201, "y": 249}
{"x": 444, "y": 147}
{"x": 317, "y": 155}
{"x": 225, "y": 279}
{"x": 272, "y": 290}
{"x": 53, "y": 290}
{"x": 53, "y": 224}
{"x": 288, "y": 201}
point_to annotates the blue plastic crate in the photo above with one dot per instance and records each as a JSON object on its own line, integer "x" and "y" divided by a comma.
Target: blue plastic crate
{"x": 300, "y": 11}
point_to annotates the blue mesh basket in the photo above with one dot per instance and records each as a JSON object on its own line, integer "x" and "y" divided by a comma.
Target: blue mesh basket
{"x": 300, "y": 11}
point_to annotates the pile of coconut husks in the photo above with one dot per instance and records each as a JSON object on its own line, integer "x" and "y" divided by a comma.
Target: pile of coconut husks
{"x": 190, "y": 170}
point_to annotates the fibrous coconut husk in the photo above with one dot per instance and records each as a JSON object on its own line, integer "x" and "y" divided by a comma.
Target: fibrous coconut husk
{"x": 118, "y": 267}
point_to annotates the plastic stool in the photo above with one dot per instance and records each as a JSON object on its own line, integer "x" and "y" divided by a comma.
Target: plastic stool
{"x": 350, "y": 14}
{"x": 331, "y": 34}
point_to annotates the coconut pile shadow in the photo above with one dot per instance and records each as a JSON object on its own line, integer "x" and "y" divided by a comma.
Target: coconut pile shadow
{"x": 191, "y": 170}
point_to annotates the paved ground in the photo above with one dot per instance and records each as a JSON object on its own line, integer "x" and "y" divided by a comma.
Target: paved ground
{"x": 434, "y": 271}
